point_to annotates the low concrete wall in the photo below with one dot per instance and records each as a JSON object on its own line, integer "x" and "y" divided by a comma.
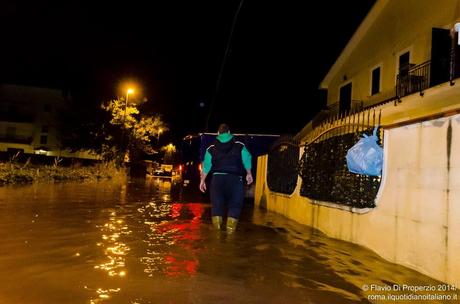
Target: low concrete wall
{"x": 417, "y": 219}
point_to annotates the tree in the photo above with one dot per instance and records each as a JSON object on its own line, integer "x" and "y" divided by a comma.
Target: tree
{"x": 110, "y": 130}
{"x": 84, "y": 127}
{"x": 136, "y": 130}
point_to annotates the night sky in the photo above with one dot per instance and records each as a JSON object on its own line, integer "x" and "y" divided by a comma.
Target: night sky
{"x": 279, "y": 53}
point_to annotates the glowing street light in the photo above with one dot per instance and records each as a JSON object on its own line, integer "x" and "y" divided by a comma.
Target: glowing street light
{"x": 158, "y": 135}
{"x": 171, "y": 148}
{"x": 128, "y": 92}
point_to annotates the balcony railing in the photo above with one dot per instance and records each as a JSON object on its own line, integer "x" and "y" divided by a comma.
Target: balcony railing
{"x": 17, "y": 139}
{"x": 413, "y": 78}
{"x": 17, "y": 117}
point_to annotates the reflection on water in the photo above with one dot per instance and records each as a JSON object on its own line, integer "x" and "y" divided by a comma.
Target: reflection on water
{"x": 172, "y": 230}
{"x": 164, "y": 186}
{"x": 114, "y": 249}
{"x": 180, "y": 257}
{"x": 136, "y": 243}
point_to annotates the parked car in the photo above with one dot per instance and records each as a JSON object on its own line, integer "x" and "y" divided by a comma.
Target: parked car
{"x": 161, "y": 173}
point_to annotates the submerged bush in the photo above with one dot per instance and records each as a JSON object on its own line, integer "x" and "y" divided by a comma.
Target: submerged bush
{"x": 14, "y": 173}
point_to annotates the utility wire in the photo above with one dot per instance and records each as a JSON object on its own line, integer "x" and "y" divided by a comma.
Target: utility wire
{"x": 221, "y": 71}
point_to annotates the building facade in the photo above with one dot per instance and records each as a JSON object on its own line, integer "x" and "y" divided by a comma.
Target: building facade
{"x": 400, "y": 48}
{"x": 29, "y": 121}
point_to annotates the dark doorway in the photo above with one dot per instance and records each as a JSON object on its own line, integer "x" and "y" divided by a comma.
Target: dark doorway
{"x": 455, "y": 67}
{"x": 404, "y": 64}
{"x": 375, "y": 86}
{"x": 345, "y": 98}
{"x": 440, "y": 56}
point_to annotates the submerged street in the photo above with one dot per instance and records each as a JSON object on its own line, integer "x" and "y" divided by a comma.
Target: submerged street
{"x": 145, "y": 242}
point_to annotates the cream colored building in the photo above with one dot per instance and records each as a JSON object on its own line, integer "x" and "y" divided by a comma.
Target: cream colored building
{"x": 403, "y": 62}
{"x": 410, "y": 38}
{"x": 28, "y": 121}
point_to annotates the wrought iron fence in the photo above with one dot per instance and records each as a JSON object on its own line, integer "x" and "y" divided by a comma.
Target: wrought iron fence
{"x": 283, "y": 165}
{"x": 323, "y": 168}
{"x": 334, "y": 109}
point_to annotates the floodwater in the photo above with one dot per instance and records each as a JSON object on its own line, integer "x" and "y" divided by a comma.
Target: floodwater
{"x": 140, "y": 242}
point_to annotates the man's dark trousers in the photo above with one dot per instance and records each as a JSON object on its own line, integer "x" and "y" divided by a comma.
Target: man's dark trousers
{"x": 227, "y": 188}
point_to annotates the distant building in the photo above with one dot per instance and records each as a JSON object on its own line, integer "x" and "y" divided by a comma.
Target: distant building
{"x": 28, "y": 121}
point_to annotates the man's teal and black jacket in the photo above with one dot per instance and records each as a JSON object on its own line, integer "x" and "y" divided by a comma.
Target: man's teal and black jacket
{"x": 227, "y": 156}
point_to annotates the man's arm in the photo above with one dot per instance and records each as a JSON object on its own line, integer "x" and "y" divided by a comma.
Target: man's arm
{"x": 249, "y": 178}
{"x": 203, "y": 182}
{"x": 207, "y": 164}
{"x": 247, "y": 163}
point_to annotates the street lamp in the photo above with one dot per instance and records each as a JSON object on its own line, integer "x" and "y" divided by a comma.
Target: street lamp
{"x": 169, "y": 154}
{"x": 129, "y": 91}
{"x": 158, "y": 135}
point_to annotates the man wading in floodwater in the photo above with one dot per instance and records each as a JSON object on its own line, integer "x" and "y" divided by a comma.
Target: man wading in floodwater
{"x": 228, "y": 161}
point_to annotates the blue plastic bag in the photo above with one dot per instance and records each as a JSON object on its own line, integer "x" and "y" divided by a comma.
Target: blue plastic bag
{"x": 366, "y": 156}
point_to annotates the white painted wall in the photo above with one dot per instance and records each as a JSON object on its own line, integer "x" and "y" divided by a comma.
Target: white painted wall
{"x": 417, "y": 219}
